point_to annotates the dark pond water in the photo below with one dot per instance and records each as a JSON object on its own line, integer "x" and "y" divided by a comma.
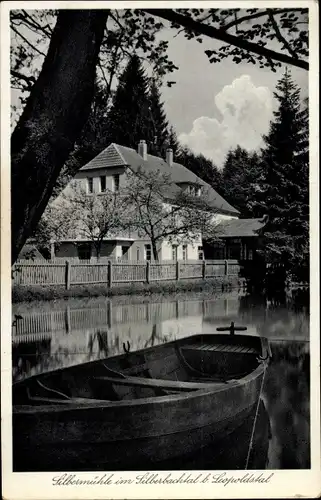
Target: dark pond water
{"x": 62, "y": 333}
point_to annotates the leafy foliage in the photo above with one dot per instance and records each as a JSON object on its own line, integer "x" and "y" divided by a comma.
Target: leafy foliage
{"x": 161, "y": 211}
{"x": 287, "y": 28}
{"x": 75, "y": 214}
{"x": 128, "y": 32}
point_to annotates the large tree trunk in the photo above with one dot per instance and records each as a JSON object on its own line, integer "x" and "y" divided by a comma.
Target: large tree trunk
{"x": 55, "y": 113}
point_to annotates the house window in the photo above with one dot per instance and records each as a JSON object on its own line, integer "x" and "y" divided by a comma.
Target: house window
{"x": 103, "y": 184}
{"x": 184, "y": 252}
{"x": 234, "y": 249}
{"x": 200, "y": 253}
{"x": 90, "y": 184}
{"x": 218, "y": 250}
{"x": 198, "y": 191}
{"x": 148, "y": 252}
{"x": 137, "y": 253}
{"x": 174, "y": 252}
{"x": 84, "y": 251}
{"x": 116, "y": 182}
{"x": 124, "y": 252}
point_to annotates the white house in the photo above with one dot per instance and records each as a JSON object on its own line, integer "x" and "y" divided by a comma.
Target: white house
{"x": 107, "y": 171}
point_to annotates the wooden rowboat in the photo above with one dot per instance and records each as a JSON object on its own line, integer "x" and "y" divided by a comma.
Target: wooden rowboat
{"x": 139, "y": 407}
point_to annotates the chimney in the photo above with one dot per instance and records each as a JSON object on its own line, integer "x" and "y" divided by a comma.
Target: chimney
{"x": 169, "y": 156}
{"x": 142, "y": 149}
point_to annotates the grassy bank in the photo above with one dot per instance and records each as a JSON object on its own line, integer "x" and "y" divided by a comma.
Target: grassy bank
{"x": 30, "y": 293}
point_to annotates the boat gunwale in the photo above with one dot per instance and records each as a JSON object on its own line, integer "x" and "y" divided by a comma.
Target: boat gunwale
{"x": 147, "y": 349}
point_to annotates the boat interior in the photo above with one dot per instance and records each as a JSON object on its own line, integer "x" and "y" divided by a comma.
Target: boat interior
{"x": 198, "y": 362}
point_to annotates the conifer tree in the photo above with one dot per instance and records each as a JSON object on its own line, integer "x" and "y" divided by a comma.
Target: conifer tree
{"x": 283, "y": 194}
{"x": 128, "y": 119}
{"x": 201, "y": 166}
{"x": 240, "y": 175}
{"x": 158, "y": 122}
{"x": 173, "y": 142}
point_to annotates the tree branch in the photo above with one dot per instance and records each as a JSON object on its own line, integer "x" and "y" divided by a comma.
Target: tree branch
{"x": 221, "y": 35}
{"x": 279, "y": 35}
{"x": 30, "y": 80}
{"x": 102, "y": 72}
{"x": 27, "y": 41}
{"x": 256, "y": 16}
{"x": 47, "y": 30}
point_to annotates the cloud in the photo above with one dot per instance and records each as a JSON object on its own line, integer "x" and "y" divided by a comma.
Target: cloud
{"x": 246, "y": 112}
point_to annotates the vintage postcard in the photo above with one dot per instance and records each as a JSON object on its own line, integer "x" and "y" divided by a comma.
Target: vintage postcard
{"x": 159, "y": 250}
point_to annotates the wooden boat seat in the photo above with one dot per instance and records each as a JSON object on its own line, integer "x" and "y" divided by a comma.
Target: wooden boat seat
{"x": 159, "y": 384}
{"x": 230, "y": 348}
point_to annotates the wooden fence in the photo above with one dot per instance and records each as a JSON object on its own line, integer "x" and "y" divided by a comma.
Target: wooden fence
{"x": 26, "y": 273}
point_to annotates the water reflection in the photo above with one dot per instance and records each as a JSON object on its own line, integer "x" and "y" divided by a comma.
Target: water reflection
{"x": 47, "y": 336}
{"x": 287, "y": 400}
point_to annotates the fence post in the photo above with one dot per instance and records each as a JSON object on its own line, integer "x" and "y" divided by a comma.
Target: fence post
{"x": 148, "y": 271}
{"x": 204, "y": 269}
{"x": 177, "y": 270}
{"x": 67, "y": 275}
{"x": 110, "y": 274}
{"x": 226, "y": 268}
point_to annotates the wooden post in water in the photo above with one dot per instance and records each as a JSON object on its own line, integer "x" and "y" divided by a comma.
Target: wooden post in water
{"x": 204, "y": 269}
{"x": 177, "y": 270}
{"x": 67, "y": 319}
{"x": 67, "y": 275}
{"x": 148, "y": 271}
{"x": 110, "y": 274}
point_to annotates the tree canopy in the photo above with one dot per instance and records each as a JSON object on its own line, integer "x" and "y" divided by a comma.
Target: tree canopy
{"x": 240, "y": 177}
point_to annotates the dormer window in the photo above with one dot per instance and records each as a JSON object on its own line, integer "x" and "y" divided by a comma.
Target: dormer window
{"x": 102, "y": 183}
{"x": 193, "y": 190}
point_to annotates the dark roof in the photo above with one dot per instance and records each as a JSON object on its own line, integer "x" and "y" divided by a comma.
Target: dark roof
{"x": 115, "y": 155}
{"x": 237, "y": 228}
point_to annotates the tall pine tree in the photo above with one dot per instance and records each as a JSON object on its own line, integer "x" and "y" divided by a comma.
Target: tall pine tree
{"x": 129, "y": 116}
{"x": 283, "y": 194}
{"x": 173, "y": 142}
{"x": 159, "y": 124}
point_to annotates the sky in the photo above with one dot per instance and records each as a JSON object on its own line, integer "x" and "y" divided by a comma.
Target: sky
{"x": 215, "y": 107}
